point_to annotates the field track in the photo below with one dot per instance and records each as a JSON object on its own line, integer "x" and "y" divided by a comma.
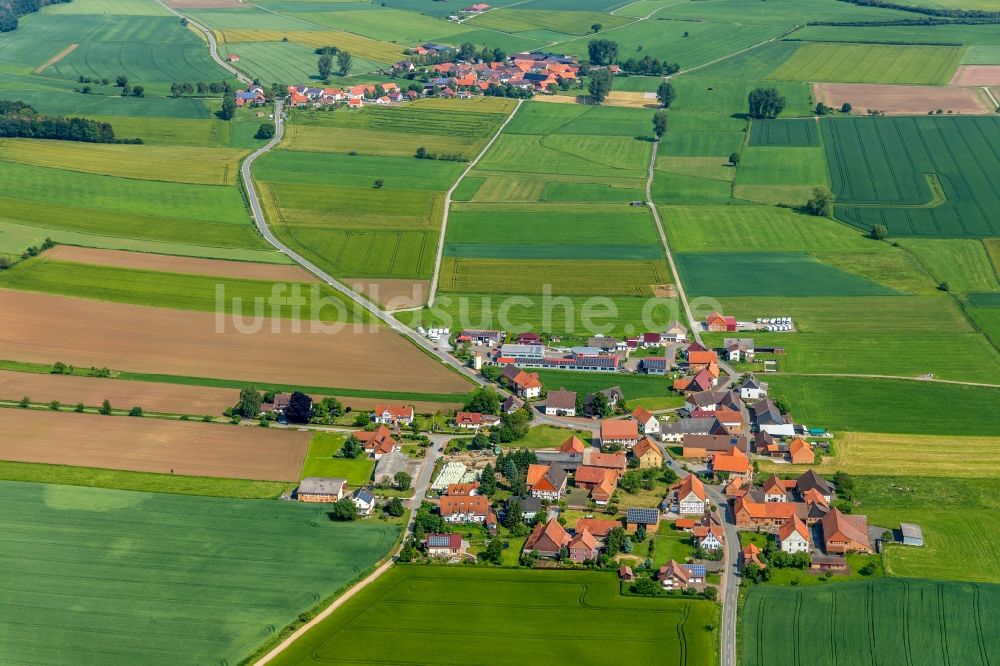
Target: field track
{"x": 54, "y": 59}
{"x": 152, "y": 445}
{"x": 45, "y": 329}
{"x": 187, "y": 265}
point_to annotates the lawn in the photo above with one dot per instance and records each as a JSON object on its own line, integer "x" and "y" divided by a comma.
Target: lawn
{"x": 769, "y": 274}
{"x": 113, "y": 576}
{"x": 879, "y": 621}
{"x": 870, "y": 63}
{"x": 846, "y": 404}
{"x": 919, "y": 176}
{"x": 550, "y": 437}
{"x": 564, "y": 607}
{"x": 671, "y": 544}
{"x": 321, "y": 460}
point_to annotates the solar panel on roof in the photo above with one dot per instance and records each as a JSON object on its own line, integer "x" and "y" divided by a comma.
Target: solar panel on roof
{"x": 696, "y": 569}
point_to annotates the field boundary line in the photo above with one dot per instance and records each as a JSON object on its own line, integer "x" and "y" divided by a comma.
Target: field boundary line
{"x": 72, "y": 47}
{"x": 735, "y": 53}
{"x": 899, "y": 377}
{"x": 213, "y": 46}
{"x": 432, "y": 289}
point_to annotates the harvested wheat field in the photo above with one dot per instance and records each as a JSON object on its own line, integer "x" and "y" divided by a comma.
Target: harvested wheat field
{"x": 187, "y": 265}
{"x": 976, "y": 75}
{"x": 188, "y": 448}
{"x": 902, "y": 100}
{"x": 123, "y": 394}
{"x": 42, "y": 328}
{"x": 632, "y": 100}
{"x": 392, "y": 294}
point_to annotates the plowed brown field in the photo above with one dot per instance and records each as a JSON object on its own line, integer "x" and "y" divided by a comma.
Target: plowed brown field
{"x": 189, "y": 265}
{"x": 152, "y": 445}
{"x": 42, "y": 328}
{"x": 902, "y": 100}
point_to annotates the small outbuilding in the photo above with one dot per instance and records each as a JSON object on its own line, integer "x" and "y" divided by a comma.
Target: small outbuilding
{"x": 912, "y": 534}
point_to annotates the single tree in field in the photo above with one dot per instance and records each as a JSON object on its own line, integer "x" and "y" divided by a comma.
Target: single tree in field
{"x": 325, "y": 66}
{"x": 846, "y": 107}
{"x": 600, "y": 85}
{"x": 820, "y": 203}
{"x": 228, "y": 108}
{"x": 105, "y": 408}
{"x": 660, "y": 123}
{"x": 879, "y": 232}
{"x": 602, "y": 51}
{"x": 266, "y": 130}
{"x": 734, "y": 159}
{"x": 135, "y": 411}
{"x": 250, "y": 402}
{"x": 596, "y": 27}
{"x": 139, "y": 91}
{"x": 344, "y": 62}
{"x": 765, "y": 103}
{"x": 665, "y": 94}
{"x": 300, "y": 408}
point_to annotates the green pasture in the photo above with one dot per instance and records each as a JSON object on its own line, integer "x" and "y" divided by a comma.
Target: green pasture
{"x": 681, "y": 189}
{"x": 248, "y": 18}
{"x": 876, "y": 621}
{"x": 983, "y": 37}
{"x": 708, "y": 144}
{"x": 142, "y": 481}
{"x": 712, "y": 168}
{"x": 513, "y": 188}
{"x": 113, "y": 576}
{"x": 769, "y": 274}
{"x": 888, "y": 170}
{"x": 987, "y": 319}
{"x": 365, "y": 207}
{"x": 983, "y": 55}
{"x": 633, "y": 386}
{"x": 561, "y": 315}
{"x": 841, "y": 403}
{"x": 564, "y": 608}
{"x": 565, "y": 277}
{"x": 396, "y": 173}
{"x": 321, "y": 460}
{"x": 951, "y": 511}
{"x": 279, "y": 62}
{"x": 803, "y": 132}
{"x": 778, "y": 12}
{"x": 893, "y": 267}
{"x": 551, "y": 224}
{"x": 166, "y": 290}
{"x": 550, "y": 437}
{"x": 961, "y": 263}
{"x": 556, "y": 251}
{"x": 772, "y": 165}
{"x": 578, "y": 5}
{"x": 114, "y": 7}
{"x": 569, "y": 154}
{"x": 581, "y": 119}
{"x": 574, "y": 22}
{"x": 365, "y": 253}
{"x": 390, "y": 25}
{"x": 870, "y": 63}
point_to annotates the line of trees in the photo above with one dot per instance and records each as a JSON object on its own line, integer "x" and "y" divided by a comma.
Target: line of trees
{"x": 18, "y": 119}
{"x": 325, "y": 63}
{"x": 988, "y": 16}
{"x": 765, "y": 103}
{"x": 180, "y": 88}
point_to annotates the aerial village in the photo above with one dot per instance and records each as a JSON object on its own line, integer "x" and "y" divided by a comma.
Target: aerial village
{"x": 659, "y": 496}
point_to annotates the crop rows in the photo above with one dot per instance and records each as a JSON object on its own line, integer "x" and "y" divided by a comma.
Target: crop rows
{"x": 415, "y": 120}
{"x": 784, "y": 133}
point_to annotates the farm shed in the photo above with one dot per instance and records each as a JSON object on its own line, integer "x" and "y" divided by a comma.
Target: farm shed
{"x": 321, "y": 489}
{"x": 912, "y": 534}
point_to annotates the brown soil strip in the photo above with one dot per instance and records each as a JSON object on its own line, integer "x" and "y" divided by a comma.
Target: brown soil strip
{"x": 42, "y": 328}
{"x": 188, "y": 265}
{"x": 152, "y": 445}
{"x": 54, "y": 59}
{"x": 976, "y": 75}
{"x": 392, "y": 294}
{"x": 902, "y": 100}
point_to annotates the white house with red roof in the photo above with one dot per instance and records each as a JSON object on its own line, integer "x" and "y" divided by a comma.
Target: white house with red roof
{"x": 393, "y": 415}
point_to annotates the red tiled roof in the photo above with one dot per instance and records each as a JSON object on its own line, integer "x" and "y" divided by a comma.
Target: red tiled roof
{"x": 573, "y": 445}
{"x": 599, "y": 527}
{"x": 612, "y": 429}
{"x": 476, "y": 504}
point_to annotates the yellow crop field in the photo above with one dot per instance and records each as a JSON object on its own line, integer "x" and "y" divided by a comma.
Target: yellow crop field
{"x": 362, "y": 47}
{"x": 177, "y": 164}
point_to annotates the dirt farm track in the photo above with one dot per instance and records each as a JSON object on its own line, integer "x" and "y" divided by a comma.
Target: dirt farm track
{"x": 152, "y": 445}
{"x": 42, "y": 328}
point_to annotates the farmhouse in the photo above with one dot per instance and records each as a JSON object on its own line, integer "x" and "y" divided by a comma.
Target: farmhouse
{"x": 674, "y": 431}
{"x": 766, "y": 515}
{"x": 547, "y": 482}
{"x": 612, "y": 396}
{"x": 528, "y": 385}
{"x": 702, "y": 446}
{"x": 444, "y": 545}
{"x": 676, "y": 332}
{"x": 738, "y": 349}
{"x": 701, "y": 360}
{"x": 465, "y": 509}
{"x": 647, "y": 421}
{"x": 547, "y": 539}
{"x": 252, "y": 96}
{"x": 588, "y": 477}
{"x": 393, "y": 415}
{"x": 733, "y": 463}
{"x": 278, "y": 404}
{"x": 364, "y": 502}
{"x": 648, "y": 453}
{"x": 529, "y": 506}
{"x": 619, "y": 432}
{"x": 845, "y": 534}
{"x": 462, "y": 489}
{"x": 709, "y": 535}
{"x": 378, "y": 442}
{"x": 615, "y": 461}
{"x": 561, "y": 403}
{"x": 599, "y": 527}
{"x": 793, "y": 536}
{"x": 752, "y": 390}
{"x": 475, "y": 420}
{"x": 675, "y": 576}
{"x": 511, "y": 405}
{"x": 703, "y": 381}
{"x": 689, "y": 497}
{"x": 583, "y": 547}
{"x": 322, "y": 490}
{"x": 751, "y": 555}
{"x": 800, "y": 452}
{"x": 718, "y": 323}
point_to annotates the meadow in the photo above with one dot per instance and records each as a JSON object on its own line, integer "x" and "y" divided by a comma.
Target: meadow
{"x": 879, "y": 170}
{"x": 900, "y": 406}
{"x": 321, "y": 461}
{"x": 598, "y": 277}
{"x": 961, "y": 263}
{"x": 869, "y": 63}
{"x": 877, "y": 621}
{"x": 113, "y": 576}
{"x": 563, "y": 606}
{"x": 633, "y": 387}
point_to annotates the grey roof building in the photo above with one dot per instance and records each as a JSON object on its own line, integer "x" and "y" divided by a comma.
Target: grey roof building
{"x": 389, "y": 464}
{"x": 912, "y": 534}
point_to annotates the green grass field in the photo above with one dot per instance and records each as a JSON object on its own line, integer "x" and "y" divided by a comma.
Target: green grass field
{"x": 902, "y": 406}
{"x": 633, "y": 386}
{"x": 878, "y": 621}
{"x": 156, "y": 289}
{"x": 868, "y": 63}
{"x": 963, "y": 264}
{"x": 769, "y": 274}
{"x": 781, "y": 165}
{"x": 598, "y": 277}
{"x": 320, "y": 460}
{"x": 563, "y": 607}
{"x": 550, "y": 437}
{"x": 113, "y": 576}
{"x": 879, "y": 170}
{"x": 784, "y": 133}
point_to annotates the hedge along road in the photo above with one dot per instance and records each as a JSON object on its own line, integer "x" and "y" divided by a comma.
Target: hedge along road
{"x": 432, "y": 291}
